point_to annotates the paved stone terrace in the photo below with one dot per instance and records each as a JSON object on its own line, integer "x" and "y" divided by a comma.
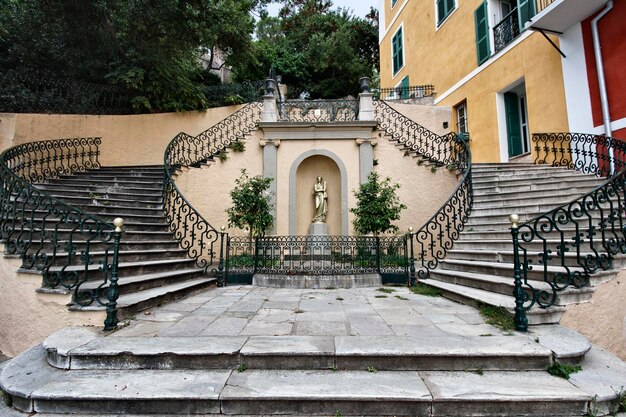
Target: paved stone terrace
{"x": 256, "y": 311}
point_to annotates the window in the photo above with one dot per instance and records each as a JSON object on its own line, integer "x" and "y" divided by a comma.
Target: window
{"x": 393, "y": 3}
{"x": 397, "y": 52}
{"x": 444, "y": 8}
{"x": 461, "y": 117}
{"x": 481, "y": 21}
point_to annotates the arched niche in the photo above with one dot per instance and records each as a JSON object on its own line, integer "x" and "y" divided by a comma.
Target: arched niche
{"x": 304, "y": 170}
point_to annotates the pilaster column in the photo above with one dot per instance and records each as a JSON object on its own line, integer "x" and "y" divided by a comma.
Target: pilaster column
{"x": 270, "y": 170}
{"x": 270, "y": 110}
{"x": 366, "y": 107}
{"x": 366, "y": 158}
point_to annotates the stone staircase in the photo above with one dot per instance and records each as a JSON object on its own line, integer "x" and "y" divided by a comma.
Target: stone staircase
{"x": 81, "y": 372}
{"x": 479, "y": 268}
{"x": 152, "y": 268}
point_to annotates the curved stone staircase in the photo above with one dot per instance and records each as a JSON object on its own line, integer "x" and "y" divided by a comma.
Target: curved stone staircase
{"x": 152, "y": 268}
{"x": 479, "y": 268}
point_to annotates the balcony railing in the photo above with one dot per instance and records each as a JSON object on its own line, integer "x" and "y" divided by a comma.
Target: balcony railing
{"x": 404, "y": 93}
{"x": 505, "y": 31}
{"x": 542, "y": 4}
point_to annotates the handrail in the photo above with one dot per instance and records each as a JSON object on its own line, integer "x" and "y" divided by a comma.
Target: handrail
{"x": 193, "y": 232}
{"x": 436, "y": 237}
{"x": 578, "y": 238}
{"x": 341, "y": 110}
{"x": 54, "y": 237}
{"x": 404, "y": 92}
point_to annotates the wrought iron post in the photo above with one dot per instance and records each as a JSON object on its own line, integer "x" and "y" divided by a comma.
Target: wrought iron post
{"x": 521, "y": 322}
{"x": 411, "y": 259}
{"x": 113, "y": 293}
{"x": 256, "y": 254}
{"x": 220, "y": 265}
{"x": 378, "y": 254}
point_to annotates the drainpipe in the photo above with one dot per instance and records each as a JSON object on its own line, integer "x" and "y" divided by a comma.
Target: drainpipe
{"x": 604, "y": 98}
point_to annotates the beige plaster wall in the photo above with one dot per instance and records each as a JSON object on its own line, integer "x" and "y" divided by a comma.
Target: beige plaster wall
{"x": 431, "y": 117}
{"x": 26, "y": 317}
{"x": 207, "y": 188}
{"x": 126, "y": 140}
{"x": 603, "y": 319}
{"x": 421, "y": 190}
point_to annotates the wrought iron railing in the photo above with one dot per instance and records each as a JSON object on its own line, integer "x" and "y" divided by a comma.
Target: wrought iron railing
{"x": 318, "y": 110}
{"x": 563, "y": 247}
{"x": 431, "y": 243}
{"x": 506, "y": 30}
{"x": 51, "y": 236}
{"x": 407, "y": 92}
{"x": 194, "y": 233}
{"x": 317, "y": 255}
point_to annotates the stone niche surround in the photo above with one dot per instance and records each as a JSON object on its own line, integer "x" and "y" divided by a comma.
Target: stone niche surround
{"x": 287, "y": 144}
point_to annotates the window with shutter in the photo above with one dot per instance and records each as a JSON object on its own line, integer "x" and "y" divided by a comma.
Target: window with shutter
{"x": 444, "y": 8}
{"x": 526, "y": 11}
{"x": 397, "y": 53}
{"x": 483, "y": 48}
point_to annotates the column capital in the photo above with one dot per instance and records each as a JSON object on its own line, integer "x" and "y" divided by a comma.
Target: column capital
{"x": 275, "y": 142}
{"x": 361, "y": 141}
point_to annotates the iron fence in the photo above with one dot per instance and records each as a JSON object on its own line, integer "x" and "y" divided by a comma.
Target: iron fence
{"x": 68, "y": 246}
{"x": 317, "y": 255}
{"x": 404, "y": 92}
{"x": 561, "y": 248}
{"x": 318, "y": 110}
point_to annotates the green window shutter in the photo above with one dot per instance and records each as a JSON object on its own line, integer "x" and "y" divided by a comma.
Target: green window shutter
{"x": 441, "y": 12}
{"x": 449, "y": 6}
{"x": 526, "y": 10}
{"x": 393, "y": 2}
{"x": 404, "y": 87}
{"x": 396, "y": 44}
{"x": 483, "y": 48}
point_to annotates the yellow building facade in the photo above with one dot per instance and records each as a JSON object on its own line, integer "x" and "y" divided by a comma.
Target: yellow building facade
{"x": 503, "y": 81}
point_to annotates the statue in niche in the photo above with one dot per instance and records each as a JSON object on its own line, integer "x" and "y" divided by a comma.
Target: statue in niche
{"x": 321, "y": 201}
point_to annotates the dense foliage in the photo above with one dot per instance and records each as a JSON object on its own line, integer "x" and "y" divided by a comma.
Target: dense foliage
{"x": 314, "y": 48}
{"x": 251, "y": 209}
{"x": 377, "y": 207}
{"x": 146, "y": 55}
{"x": 148, "y": 48}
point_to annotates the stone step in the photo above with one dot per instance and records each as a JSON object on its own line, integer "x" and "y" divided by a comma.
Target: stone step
{"x": 80, "y": 348}
{"x": 63, "y": 233}
{"x": 121, "y": 203}
{"x": 134, "y": 284}
{"x": 73, "y": 181}
{"x": 505, "y": 286}
{"x": 502, "y": 178}
{"x": 523, "y": 199}
{"x": 125, "y": 269}
{"x": 120, "y": 175}
{"x": 95, "y": 190}
{"x": 482, "y": 195}
{"x": 130, "y": 304}
{"x": 571, "y": 258}
{"x": 125, "y": 245}
{"x": 532, "y": 208}
{"x": 501, "y": 221}
{"x": 467, "y": 243}
{"x": 35, "y": 386}
{"x": 137, "y": 255}
{"x": 519, "y": 186}
{"x": 106, "y": 213}
{"x": 476, "y": 296}
{"x": 503, "y": 269}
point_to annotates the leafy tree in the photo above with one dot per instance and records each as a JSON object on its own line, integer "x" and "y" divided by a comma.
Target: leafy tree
{"x": 151, "y": 48}
{"x": 251, "y": 205}
{"x": 315, "y": 48}
{"x": 377, "y": 206}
